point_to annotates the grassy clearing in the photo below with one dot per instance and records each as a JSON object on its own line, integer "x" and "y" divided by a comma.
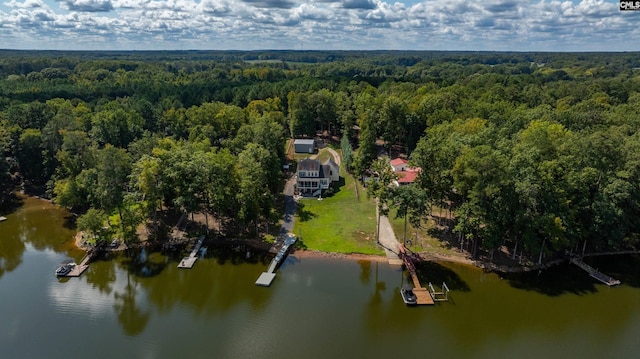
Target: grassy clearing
{"x": 423, "y": 239}
{"x": 340, "y": 223}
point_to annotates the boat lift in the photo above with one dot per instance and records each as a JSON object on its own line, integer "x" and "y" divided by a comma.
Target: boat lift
{"x": 442, "y": 296}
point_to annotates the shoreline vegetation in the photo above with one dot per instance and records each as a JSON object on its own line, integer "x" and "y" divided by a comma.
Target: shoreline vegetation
{"x": 455, "y": 257}
{"x": 528, "y": 158}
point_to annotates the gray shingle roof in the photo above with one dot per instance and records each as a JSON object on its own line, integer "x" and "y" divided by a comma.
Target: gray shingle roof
{"x": 308, "y": 164}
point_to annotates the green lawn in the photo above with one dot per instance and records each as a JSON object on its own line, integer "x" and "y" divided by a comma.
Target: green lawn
{"x": 340, "y": 223}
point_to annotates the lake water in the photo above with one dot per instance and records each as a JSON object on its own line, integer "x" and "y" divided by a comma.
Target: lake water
{"x": 316, "y": 307}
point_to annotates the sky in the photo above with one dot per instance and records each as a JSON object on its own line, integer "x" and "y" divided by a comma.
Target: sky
{"x": 481, "y": 25}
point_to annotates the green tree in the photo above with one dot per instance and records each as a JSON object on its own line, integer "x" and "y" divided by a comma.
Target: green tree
{"x": 113, "y": 170}
{"x": 301, "y": 120}
{"x": 29, "y": 155}
{"x": 116, "y": 127}
{"x": 147, "y": 178}
{"x": 347, "y": 152}
{"x": 254, "y": 195}
{"x": 92, "y": 222}
{"x": 411, "y": 204}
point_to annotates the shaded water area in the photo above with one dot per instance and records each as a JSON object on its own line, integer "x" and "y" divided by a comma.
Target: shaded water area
{"x": 134, "y": 306}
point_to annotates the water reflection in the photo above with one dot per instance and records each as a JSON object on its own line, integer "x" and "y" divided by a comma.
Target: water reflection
{"x": 319, "y": 307}
{"x": 131, "y": 316}
{"x": 35, "y": 222}
{"x": 11, "y": 249}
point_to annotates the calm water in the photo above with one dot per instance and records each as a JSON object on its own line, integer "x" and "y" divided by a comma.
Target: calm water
{"x": 316, "y": 308}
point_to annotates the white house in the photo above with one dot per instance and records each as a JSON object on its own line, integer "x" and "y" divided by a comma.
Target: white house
{"x": 313, "y": 176}
{"x": 399, "y": 164}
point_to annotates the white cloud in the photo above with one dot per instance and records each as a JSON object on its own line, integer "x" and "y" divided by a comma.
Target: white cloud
{"x": 547, "y": 25}
{"x": 87, "y": 5}
{"x": 25, "y": 5}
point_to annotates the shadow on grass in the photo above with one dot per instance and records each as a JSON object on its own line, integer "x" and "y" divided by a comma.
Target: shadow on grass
{"x": 336, "y": 187}
{"x": 303, "y": 214}
{"x": 444, "y": 235}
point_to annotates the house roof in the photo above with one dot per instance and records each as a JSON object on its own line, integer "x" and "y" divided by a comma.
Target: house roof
{"x": 332, "y": 163}
{"x": 407, "y": 176}
{"x": 308, "y": 164}
{"x": 399, "y": 161}
{"x": 301, "y": 141}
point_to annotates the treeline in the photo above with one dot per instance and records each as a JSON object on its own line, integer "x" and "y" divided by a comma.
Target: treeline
{"x": 534, "y": 150}
{"x": 215, "y": 159}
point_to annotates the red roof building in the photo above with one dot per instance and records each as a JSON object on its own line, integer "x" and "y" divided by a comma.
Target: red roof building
{"x": 406, "y": 174}
{"x": 407, "y": 177}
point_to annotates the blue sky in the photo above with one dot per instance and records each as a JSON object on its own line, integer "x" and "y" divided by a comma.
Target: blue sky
{"x": 500, "y": 25}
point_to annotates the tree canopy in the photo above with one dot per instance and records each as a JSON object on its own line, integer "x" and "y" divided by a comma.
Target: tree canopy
{"x": 537, "y": 150}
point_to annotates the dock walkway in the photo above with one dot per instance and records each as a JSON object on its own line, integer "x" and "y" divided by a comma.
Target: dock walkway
{"x": 267, "y": 277}
{"x": 188, "y": 262}
{"x": 610, "y": 281}
{"x": 422, "y": 294}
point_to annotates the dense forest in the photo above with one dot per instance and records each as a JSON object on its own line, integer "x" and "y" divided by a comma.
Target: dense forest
{"x": 539, "y": 151}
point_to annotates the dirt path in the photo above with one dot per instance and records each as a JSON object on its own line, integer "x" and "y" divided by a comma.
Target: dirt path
{"x": 336, "y": 155}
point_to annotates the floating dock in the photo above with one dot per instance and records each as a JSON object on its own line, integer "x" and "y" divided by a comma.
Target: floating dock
{"x": 188, "y": 262}
{"x": 610, "y": 281}
{"x": 267, "y": 277}
{"x": 78, "y": 269}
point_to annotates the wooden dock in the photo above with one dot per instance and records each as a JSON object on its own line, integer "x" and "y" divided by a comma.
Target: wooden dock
{"x": 188, "y": 262}
{"x": 594, "y": 273}
{"x": 267, "y": 277}
{"x": 422, "y": 294}
{"x": 78, "y": 269}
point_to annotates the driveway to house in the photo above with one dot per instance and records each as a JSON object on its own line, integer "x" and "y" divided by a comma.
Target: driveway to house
{"x": 289, "y": 215}
{"x": 289, "y": 207}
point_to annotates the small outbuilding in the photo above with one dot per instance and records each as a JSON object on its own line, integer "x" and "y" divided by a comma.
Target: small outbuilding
{"x": 304, "y": 145}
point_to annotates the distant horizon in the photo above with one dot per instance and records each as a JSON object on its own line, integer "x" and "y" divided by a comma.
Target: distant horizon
{"x": 321, "y": 50}
{"x": 319, "y": 25}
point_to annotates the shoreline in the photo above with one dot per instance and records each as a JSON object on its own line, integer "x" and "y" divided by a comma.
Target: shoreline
{"x": 432, "y": 257}
{"x": 481, "y": 265}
